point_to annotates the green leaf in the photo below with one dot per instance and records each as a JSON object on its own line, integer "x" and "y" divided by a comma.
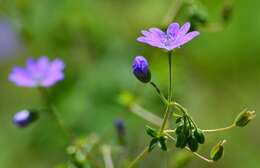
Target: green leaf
{"x": 152, "y": 144}
{"x": 162, "y": 143}
{"x": 217, "y": 151}
{"x": 151, "y": 131}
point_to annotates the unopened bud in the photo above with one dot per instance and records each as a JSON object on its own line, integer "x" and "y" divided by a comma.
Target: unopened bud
{"x": 141, "y": 69}
{"x": 24, "y": 118}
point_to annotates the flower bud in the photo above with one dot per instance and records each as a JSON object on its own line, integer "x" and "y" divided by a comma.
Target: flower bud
{"x": 24, "y": 118}
{"x": 141, "y": 69}
{"x": 217, "y": 151}
{"x": 120, "y": 129}
{"x": 244, "y": 118}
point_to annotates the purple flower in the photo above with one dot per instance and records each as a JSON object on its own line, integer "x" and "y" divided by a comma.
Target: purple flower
{"x": 38, "y": 73}
{"x": 10, "y": 43}
{"x": 24, "y": 118}
{"x": 141, "y": 69}
{"x": 174, "y": 37}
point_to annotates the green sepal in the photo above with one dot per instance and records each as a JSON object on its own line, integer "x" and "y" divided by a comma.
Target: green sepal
{"x": 244, "y": 118}
{"x": 178, "y": 120}
{"x": 162, "y": 143}
{"x": 152, "y": 144}
{"x": 193, "y": 144}
{"x": 217, "y": 151}
{"x": 151, "y": 131}
{"x": 179, "y": 129}
{"x": 200, "y": 137}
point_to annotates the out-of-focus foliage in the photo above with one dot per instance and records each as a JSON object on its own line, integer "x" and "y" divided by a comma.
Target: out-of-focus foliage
{"x": 215, "y": 76}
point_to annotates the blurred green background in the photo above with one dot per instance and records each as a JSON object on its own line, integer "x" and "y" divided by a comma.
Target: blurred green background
{"x": 216, "y": 76}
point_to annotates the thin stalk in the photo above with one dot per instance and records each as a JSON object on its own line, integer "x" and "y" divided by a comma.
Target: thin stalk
{"x": 160, "y": 94}
{"x": 220, "y": 129}
{"x": 184, "y": 110}
{"x": 138, "y": 158}
{"x": 106, "y": 151}
{"x": 53, "y": 112}
{"x": 167, "y": 111}
{"x": 195, "y": 153}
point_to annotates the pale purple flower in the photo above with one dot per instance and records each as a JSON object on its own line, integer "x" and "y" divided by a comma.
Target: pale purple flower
{"x": 10, "y": 43}
{"x": 174, "y": 37}
{"x": 38, "y": 73}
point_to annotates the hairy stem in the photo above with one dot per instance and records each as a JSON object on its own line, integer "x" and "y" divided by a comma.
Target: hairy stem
{"x": 160, "y": 94}
{"x": 53, "y": 112}
{"x": 195, "y": 153}
{"x": 138, "y": 158}
{"x": 220, "y": 129}
{"x": 167, "y": 111}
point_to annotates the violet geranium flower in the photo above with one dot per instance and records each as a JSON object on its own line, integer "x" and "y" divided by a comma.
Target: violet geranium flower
{"x": 38, "y": 73}
{"x": 174, "y": 37}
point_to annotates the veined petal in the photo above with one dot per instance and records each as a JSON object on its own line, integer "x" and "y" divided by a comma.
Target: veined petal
{"x": 173, "y": 29}
{"x": 183, "y": 30}
{"x": 153, "y": 37}
{"x": 187, "y": 37}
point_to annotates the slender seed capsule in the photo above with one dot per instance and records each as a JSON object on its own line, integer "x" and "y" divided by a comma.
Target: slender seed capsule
{"x": 141, "y": 69}
{"x": 24, "y": 118}
{"x": 193, "y": 144}
{"x": 198, "y": 134}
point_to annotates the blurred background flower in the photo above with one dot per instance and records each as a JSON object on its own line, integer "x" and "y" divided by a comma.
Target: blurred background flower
{"x": 215, "y": 76}
{"x": 10, "y": 43}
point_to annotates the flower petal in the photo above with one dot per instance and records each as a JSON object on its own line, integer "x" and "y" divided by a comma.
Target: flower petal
{"x": 173, "y": 29}
{"x": 54, "y": 73}
{"x": 188, "y": 37}
{"x": 21, "y": 77}
{"x": 153, "y": 37}
{"x": 184, "y": 29}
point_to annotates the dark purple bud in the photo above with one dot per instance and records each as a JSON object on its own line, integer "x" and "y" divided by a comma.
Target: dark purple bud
{"x": 24, "y": 118}
{"x": 120, "y": 128}
{"x": 141, "y": 69}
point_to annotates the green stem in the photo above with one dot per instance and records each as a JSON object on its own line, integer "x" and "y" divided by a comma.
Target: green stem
{"x": 184, "y": 110}
{"x": 164, "y": 100}
{"x": 53, "y": 112}
{"x": 138, "y": 158}
{"x": 167, "y": 111}
{"x": 195, "y": 153}
{"x": 220, "y": 129}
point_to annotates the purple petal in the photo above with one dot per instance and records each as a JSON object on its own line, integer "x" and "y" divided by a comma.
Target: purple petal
{"x": 188, "y": 37}
{"x": 54, "y": 74}
{"x": 22, "y": 77}
{"x": 153, "y": 37}
{"x": 184, "y": 29}
{"x": 173, "y": 29}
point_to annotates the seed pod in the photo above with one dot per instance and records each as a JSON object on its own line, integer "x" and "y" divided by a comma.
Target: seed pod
{"x": 244, "y": 118}
{"x": 217, "y": 151}
{"x": 193, "y": 144}
{"x": 198, "y": 134}
{"x": 179, "y": 129}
